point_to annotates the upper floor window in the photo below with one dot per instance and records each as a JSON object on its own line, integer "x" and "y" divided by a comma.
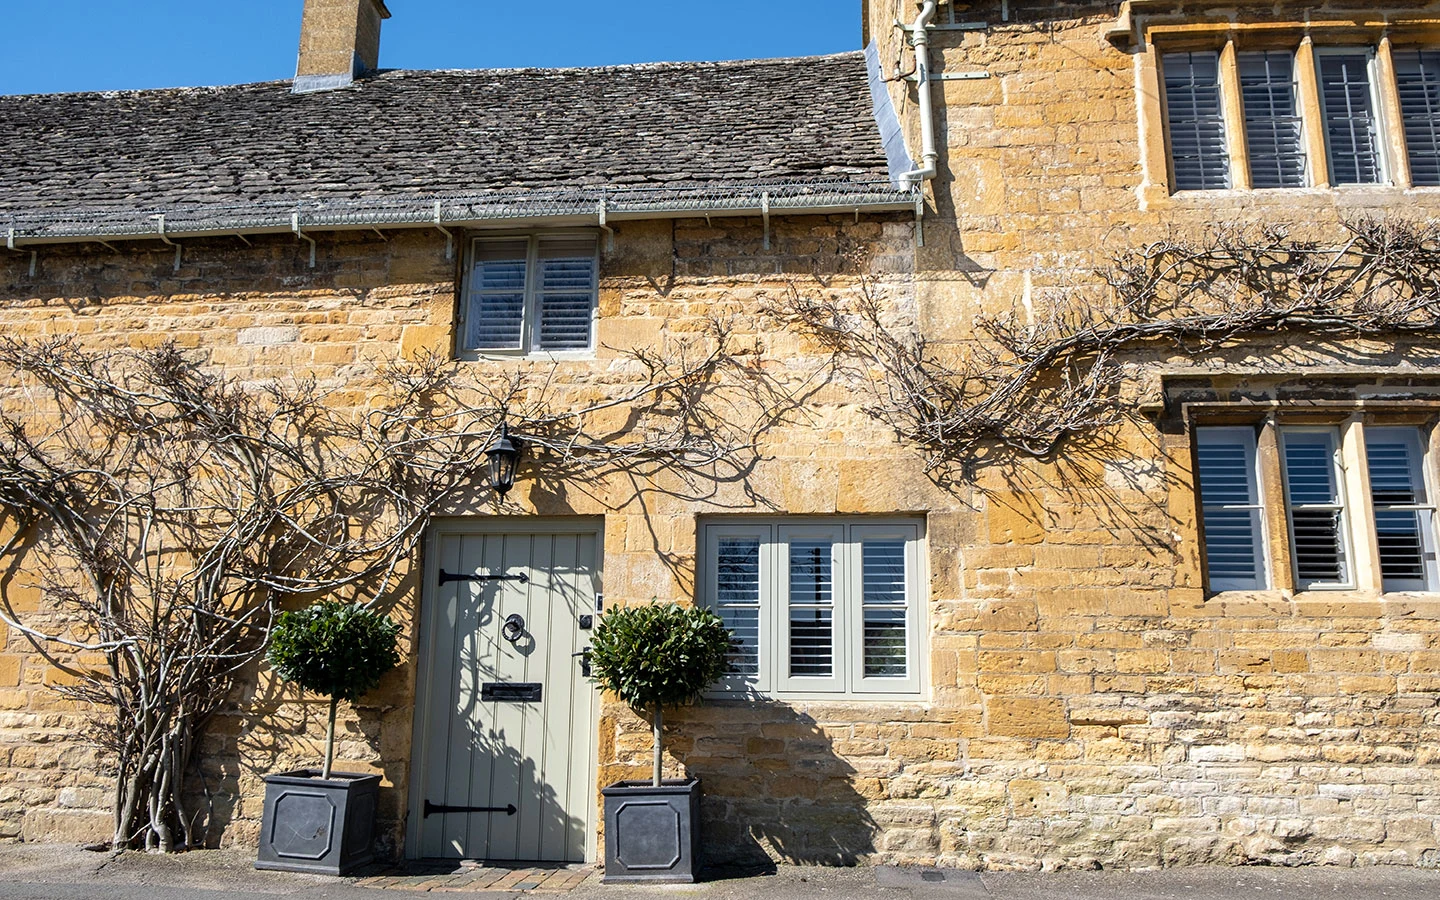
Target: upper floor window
{"x": 1346, "y": 524}
{"x": 1274, "y": 133}
{"x": 530, "y": 293}
{"x": 1417, "y": 80}
{"x": 1197, "y": 121}
{"x": 1269, "y": 135}
{"x": 817, "y": 607}
{"x": 1351, "y": 130}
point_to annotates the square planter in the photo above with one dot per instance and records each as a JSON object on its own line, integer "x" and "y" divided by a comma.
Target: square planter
{"x": 314, "y": 825}
{"x": 652, "y": 833}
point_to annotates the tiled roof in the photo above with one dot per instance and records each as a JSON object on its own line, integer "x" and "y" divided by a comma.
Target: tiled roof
{"x": 663, "y": 128}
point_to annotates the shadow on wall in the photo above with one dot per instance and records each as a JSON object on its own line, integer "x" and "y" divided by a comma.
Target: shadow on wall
{"x": 268, "y": 729}
{"x": 775, "y": 789}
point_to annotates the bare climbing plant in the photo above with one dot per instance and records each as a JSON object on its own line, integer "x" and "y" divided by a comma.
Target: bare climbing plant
{"x": 1031, "y": 381}
{"x": 166, "y": 512}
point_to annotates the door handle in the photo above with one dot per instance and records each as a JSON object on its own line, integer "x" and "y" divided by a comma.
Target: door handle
{"x": 514, "y": 628}
{"x": 584, "y": 661}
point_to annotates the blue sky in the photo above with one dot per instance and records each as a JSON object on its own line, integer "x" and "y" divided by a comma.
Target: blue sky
{"x": 86, "y": 45}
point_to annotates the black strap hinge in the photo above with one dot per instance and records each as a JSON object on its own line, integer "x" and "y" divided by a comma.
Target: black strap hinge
{"x": 447, "y": 577}
{"x": 431, "y": 808}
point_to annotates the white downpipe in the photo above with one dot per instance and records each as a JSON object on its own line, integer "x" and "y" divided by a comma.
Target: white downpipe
{"x": 929, "y": 158}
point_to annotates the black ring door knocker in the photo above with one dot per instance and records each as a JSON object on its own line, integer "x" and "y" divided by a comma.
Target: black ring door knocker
{"x": 513, "y": 629}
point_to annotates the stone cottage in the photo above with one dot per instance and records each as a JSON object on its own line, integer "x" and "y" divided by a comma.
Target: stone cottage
{"x": 1173, "y": 601}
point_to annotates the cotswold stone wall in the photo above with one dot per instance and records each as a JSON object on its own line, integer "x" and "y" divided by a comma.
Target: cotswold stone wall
{"x": 1088, "y": 703}
{"x": 260, "y": 312}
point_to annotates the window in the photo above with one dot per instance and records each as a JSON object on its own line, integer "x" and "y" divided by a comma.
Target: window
{"x": 1324, "y": 517}
{"x": 1315, "y": 502}
{"x": 1273, "y": 131}
{"x": 1417, "y": 77}
{"x": 817, "y": 608}
{"x": 1404, "y": 513}
{"x": 1350, "y": 127}
{"x": 1230, "y": 499}
{"x": 1197, "y": 123}
{"x": 530, "y": 293}
{"x": 1357, "y": 125}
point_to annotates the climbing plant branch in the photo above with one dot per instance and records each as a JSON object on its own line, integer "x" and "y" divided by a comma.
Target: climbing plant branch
{"x": 165, "y": 511}
{"x": 1030, "y": 381}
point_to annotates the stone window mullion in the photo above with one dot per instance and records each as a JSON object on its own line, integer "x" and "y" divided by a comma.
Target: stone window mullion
{"x": 1392, "y": 119}
{"x": 1311, "y": 110}
{"x": 1233, "y": 104}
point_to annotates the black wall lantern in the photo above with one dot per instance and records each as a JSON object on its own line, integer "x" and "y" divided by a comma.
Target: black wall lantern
{"x": 504, "y": 455}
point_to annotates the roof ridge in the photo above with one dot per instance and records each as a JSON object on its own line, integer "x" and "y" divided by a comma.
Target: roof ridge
{"x": 656, "y": 65}
{"x": 661, "y": 66}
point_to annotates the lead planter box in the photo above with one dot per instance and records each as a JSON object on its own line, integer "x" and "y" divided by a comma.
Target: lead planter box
{"x": 316, "y": 825}
{"x": 652, "y": 833}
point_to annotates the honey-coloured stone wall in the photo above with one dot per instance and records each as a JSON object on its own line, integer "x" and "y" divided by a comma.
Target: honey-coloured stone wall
{"x": 1087, "y": 702}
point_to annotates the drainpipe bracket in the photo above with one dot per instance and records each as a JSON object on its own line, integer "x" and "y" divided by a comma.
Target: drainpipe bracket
{"x": 765, "y": 215}
{"x": 301, "y": 235}
{"x": 449, "y": 237}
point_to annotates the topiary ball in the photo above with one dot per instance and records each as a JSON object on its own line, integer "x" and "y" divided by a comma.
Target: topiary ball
{"x": 340, "y": 650}
{"x": 658, "y": 654}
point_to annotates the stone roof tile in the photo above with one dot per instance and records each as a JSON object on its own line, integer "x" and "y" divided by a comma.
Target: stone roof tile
{"x": 442, "y": 133}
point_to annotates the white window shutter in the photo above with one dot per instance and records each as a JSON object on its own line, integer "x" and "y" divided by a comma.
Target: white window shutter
{"x": 565, "y": 293}
{"x": 812, "y": 580}
{"x": 1198, "y": 149}
{"x": 1319, "y": 538}
{"x": 885, "y": 619}
{"x": 739, "y": 588}
{"x": 1273, "y": 129}
{"x": 1417, "y": 78}
{"x": 1232, "y": 512}
{"x": 1404, "y": 514}
{"x": 1350, "y": 126}
{"x": 495, "y": 312}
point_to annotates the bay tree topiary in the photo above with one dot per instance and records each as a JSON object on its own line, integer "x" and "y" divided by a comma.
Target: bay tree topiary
{"x": 340, "y": 650}
{"x": 658, "y": 655}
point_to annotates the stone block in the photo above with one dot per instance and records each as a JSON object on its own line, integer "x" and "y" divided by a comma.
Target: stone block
{"x": 1026, "y": 717}
{"x": 10, "y": 670}
{"x": 269, "y": 335}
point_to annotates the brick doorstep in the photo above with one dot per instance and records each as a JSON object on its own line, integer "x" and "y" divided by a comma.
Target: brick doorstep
{"x": 481, "y": 878}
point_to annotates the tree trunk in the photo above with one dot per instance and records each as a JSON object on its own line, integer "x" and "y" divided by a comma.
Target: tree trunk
{"x": 658, "y": 723}
{"x": 330, "y": 738}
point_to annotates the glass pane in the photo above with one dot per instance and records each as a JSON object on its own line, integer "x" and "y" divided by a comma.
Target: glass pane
{"x": 1417, "y": 77}
{"x": 1225, "y": 476}
{"x": 1231, "y": 513}
{"x": 1319, "y": 553}
{"x": 1311, "y": 481}
{"x": 1350, "y": 118}
{"x": 495, "y": 321}
{"x": 737, "y": 600}
{"x": 811, "y": 617}
{"x": 1394, "y": 468}
{"x": 567, "y": 292}
{"x": 1272, "y": 119}
{"x": 1231, "y": 549}
{"x": 1396, "y": 480}
{"x": 496, "y": 314}
{"x": 1310, "y": 469}
{"x": 1197, "y": 123}
{"x": 885, "y": 655}
{"x": 885, "y": 617}
{"x": 1402, "y": 547}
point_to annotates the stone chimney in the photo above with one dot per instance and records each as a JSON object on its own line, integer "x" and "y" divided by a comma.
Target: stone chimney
{"x": 339, "y": 42}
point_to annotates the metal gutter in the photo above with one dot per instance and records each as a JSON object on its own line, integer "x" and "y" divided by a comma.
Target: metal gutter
{"x": 569, "y": 207}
